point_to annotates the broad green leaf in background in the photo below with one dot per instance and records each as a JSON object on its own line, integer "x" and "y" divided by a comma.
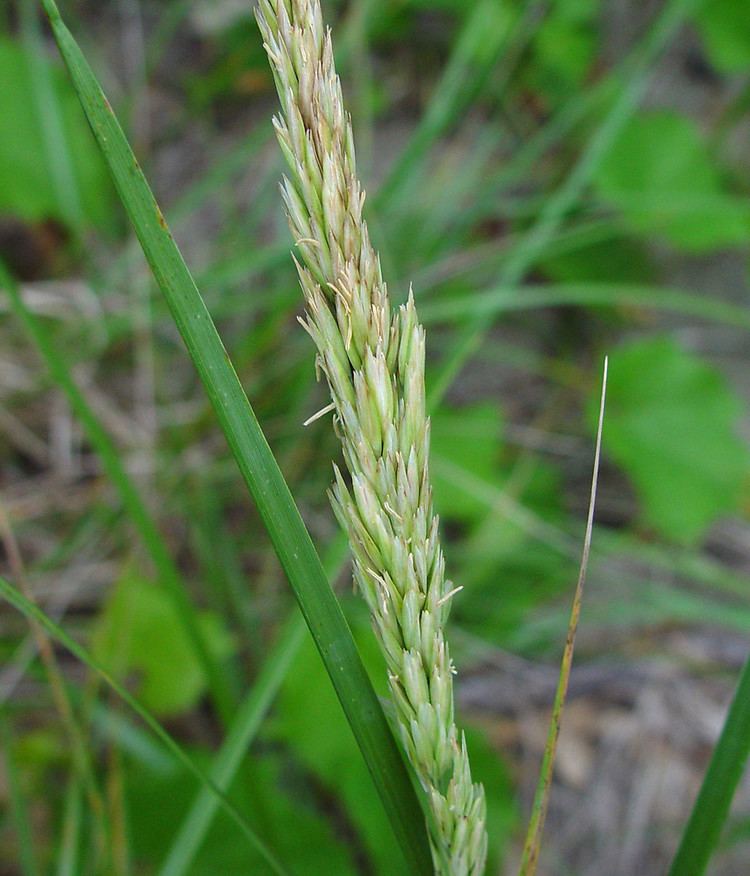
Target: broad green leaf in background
{"x": 725, "y": 28}
{"x": 27, "y": 190}
{"x": 672, "y": 426}
{"x": 470, "y": 436}
{"x": 661, "y": 175}
{"x": 140, "y": 633}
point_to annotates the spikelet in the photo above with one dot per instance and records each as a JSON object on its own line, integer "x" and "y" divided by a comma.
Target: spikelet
{"x": 373, "y": 360}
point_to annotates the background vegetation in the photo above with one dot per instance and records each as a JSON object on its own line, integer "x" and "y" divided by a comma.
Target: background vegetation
{"x": 557, "y": 180}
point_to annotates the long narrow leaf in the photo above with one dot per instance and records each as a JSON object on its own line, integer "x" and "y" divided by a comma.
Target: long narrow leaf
{"x": 724, "y": 772}
{"x": 46, "y": 109}
{"x": 255, "y": 460}
{"x": 67, "y": 854}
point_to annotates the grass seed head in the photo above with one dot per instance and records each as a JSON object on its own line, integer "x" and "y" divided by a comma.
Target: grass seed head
{"x": 373, "y": 359}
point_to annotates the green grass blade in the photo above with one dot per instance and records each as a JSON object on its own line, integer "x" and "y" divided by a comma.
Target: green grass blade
{"x": 249, "y": 716}
{"x": 33, "y": 613}
{"x": 255, "y": 460}
{"x": 463, "y": 79}
{"x": 71, "y": 724}
{"x": 136, "y": 508}
{"x": 67, "y": 854}
{"x": 567, "y": 195}
{"x": 725, "y": 770}
{"x": 503, "y": 299}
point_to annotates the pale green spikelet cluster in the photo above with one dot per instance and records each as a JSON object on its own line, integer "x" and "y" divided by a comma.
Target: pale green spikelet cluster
{"x": 373, "y": 360}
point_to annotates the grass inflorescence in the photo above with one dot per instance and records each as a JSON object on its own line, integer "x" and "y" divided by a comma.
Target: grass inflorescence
{"x": 373, "y": 359}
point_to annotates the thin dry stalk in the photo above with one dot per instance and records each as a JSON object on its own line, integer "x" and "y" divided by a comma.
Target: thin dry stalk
{"x": 533, "y": 842}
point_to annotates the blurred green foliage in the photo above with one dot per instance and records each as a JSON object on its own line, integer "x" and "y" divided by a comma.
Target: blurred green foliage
{"x": 140, "y": 635}
{"x": 725, "y": 28}
{"x": 470, "y": 437}
{"x": 28, "y": 186}
{"x": 293, "y": 826}
{"x": 665, "y": 181}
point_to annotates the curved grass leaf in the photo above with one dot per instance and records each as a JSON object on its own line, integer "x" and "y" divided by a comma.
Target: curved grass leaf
{"x": 255, "y": 460}
{"x": 33, "y": 613}
{"x": 724, "y": 772}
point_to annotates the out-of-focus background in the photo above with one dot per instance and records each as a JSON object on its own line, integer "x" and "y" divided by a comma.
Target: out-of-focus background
{"x": 558, "y": 180}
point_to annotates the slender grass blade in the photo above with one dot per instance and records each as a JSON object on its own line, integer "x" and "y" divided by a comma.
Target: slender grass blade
{"x": 33, "y": 613}
{"x": 255, "y": 460}
{"x": 703, "y": 829}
